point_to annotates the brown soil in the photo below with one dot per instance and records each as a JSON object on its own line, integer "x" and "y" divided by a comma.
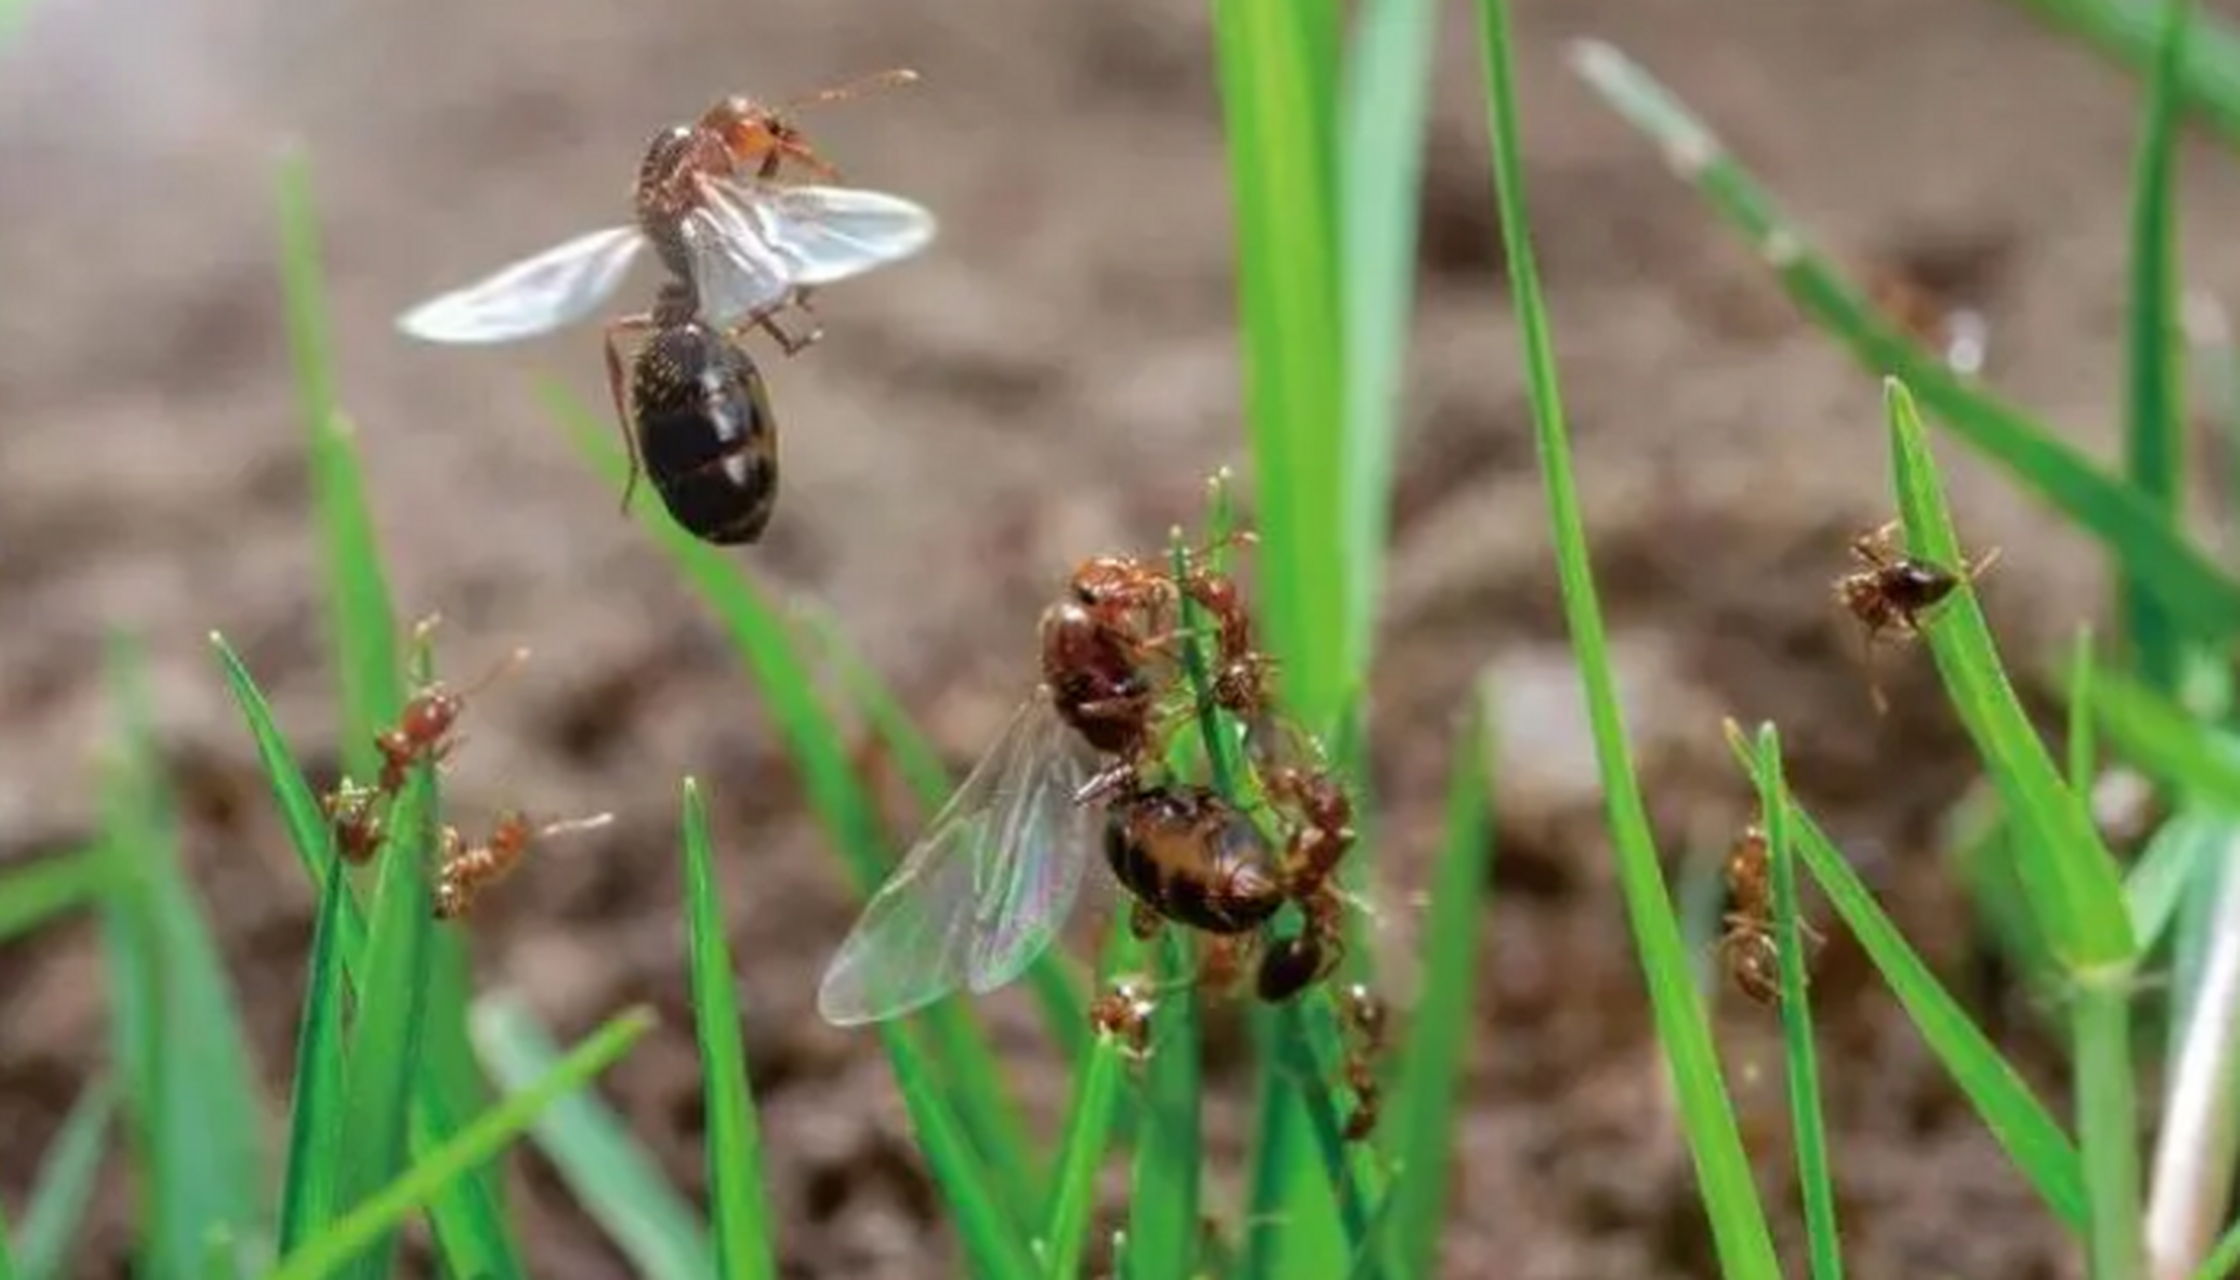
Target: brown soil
{"x": 1053, "y": 379}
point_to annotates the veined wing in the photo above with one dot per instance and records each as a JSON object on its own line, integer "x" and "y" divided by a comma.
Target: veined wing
{"x": 754, "y": 242}
{"x": 535, "y": 295}
{"x": 985, "y": 889}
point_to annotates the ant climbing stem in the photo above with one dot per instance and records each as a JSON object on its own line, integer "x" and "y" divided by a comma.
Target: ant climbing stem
{"x": 423, "y": 729}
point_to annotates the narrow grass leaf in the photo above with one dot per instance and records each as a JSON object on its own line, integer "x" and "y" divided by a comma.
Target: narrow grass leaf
{"x": 385, "y": 1037}
{"x": 2154, "y": 419}
{"x": 993, "y": 1246}
{"x": 746, "y": 1238}
{"x": 476, "y": 1145}
{"x": 2170, "y": 870}
{"x": 968, "y": 1078}
{"x": 1278, "y": 75}
{"x": 2032, "y": 1138}
{"x": 2130, "y": 33}
{"x": 189, "y": 1084}
{"x": 1386, "y": 108}
{"x": 2084, "y": 766}
{"x": 1090, "y": 1122}
{"x": 1739, "y": 1231}
{"x": 2161, "y": 740}
{"x": 36, "y": 892}
{"x": 1163, "y": 1230}
{"x": 2223, "y": 1260}
{"x": 2146, "y": 546}
{"x": 360, "y": 619}
{"x": 2071, "y": 878}
{"x": 47, "y": 1236}
{"x": 612, "y": 1176}
{"x": 1444, "y": 1021}
{"x": 1807, "y": 1119}
{"x": 312, "y": 1179}
{"x": 2068, "y": 874}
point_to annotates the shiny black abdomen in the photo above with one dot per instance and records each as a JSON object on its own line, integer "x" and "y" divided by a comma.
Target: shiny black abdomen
{"x": 706, "y": 433}
{"x": 1193, "y": 860}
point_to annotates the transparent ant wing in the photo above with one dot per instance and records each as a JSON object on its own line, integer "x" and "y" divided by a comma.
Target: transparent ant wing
{"x": 535, "y": 295}
{"x": 753, "y": 242}
{"x": 983, "y": 891}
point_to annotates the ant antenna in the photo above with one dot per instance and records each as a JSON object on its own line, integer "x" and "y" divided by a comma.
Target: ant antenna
{"x": 894, "y": 78}
{"x": 569, "y": 826}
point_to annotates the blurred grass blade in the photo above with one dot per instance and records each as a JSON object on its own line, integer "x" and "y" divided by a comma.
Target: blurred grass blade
{"x": 360, "y": 619}
{"x": 2033, "y": 1139}
{"x": 2074, "y": 885}
{"x": 45, "y": 1238}
{"x": 474, "y": 1146}
{"x": 967, "y": 1076}
{"x": 2158, "y": 557}
{"x": 1387, "y": 106}
{"x": 312, "y": 1179}
{"x": 189, "y": 1091}
{"x": 2067, "y": 873}
{"x": 1738, "y": 1224}
{"x": 2154, "y": 424}
{"x": 1163, "y": 1226}
{"x": 385, "y": 1036}
{"x": 1090, "y": 1122}
{"x": 2084, "y": 764}
{"x": 992, "y": 1246}
{"x": 2195, "y": 1141}
{"x": 2159, "y": 739}
{"x": 1278, "y": 75}
{"x": 1444, "y": 1020}
{"x": 616, "y": 1181}
{"x": 2129, "y": 32}
{"x": 1807, "y": 1117}
{"x": 746, "y": 1238}
{"x": 2169, "y": 870}
{"x": 33, "y": 893}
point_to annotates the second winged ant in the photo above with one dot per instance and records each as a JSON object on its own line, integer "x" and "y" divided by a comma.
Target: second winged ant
{"x": 703, "y": 429}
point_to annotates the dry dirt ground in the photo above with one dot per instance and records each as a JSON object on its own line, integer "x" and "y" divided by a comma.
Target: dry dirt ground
{"x": 1053, "y": 379}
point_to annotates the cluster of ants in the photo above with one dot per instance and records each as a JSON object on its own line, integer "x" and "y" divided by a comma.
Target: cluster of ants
{"x": 1888, "y": 595}
{"x": 1185, "y": 853}
{"x": 423, "y": 734}
{"x": 997, "y": 871}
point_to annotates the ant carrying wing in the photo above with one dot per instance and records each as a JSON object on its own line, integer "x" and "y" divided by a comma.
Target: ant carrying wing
{"x": 754, "y": 242}
{"x": 984, "y": 890}
{"x": 535, "y": 295}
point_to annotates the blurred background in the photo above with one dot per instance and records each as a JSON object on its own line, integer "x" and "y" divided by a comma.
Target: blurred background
{"x": 1053, "y": 379}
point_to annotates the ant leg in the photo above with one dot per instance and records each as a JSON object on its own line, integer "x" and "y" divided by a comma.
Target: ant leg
{"x": 1143, "y": 922}
{"x": 1977, "y": 568}
{"x": 618, "y": 382}
{"x": 1878, "y": 548}
{"x": 791, "y": 343}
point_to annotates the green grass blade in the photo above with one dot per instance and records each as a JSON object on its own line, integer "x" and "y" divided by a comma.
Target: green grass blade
{"x": 746, "y": 1239}
{"x": 1277, "y": 67}
{"x": 2071, "y": 878}
{"x": 472, "y": 1230}
{"x": 2130, "y": 31}
{"x": 385, "y": 1037}
{"x": 2067, "y": 873}
{"x": 1443, "y": 1020}
{"x": 189, "y": 1088}
{"x": 1806, "y": 1115}
{"x": 2223, "y": 1260}
{"x": 2157, "y": 556}
{"x": 2154, "y": 424}
{"x": 2084, "y": 766}
{"x": 1738, "y": 1224}
{"x": 35, "y": 893}
{"x": 1091, "y": 1120}
{"x": 968, "y": 1077}
{"x": 360, "y": 620}
{"x": 2195, "y": 1138}
{"x": 311, "y": 1182}
{"x": 478, "y": 1144}
{"x": 986, "y": 1228}
{"x": 615, "y": 1179}
{"x": 2159, "y": 739}
{"x": 1163, "y": 1231}
{"x": 51, "y": 1222}
{"x": 2033, "y": 1139}
{"x": 1386, "y": 109}
{"x": 2169, "y": 870}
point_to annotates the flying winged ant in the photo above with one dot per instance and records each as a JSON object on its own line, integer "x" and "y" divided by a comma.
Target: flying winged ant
{"x": 1892, "y": 589}
{"x": 997, "y": 872}
{"x": 739, "y": 247}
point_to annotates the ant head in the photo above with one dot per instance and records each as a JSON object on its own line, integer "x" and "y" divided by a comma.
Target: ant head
{"x": 750, "y": 129}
